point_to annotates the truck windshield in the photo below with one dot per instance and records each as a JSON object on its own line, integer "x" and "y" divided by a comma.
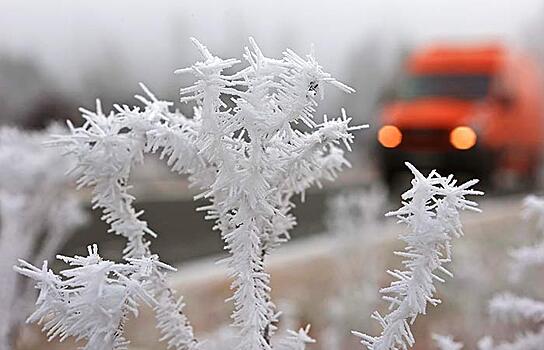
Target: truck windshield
{"x": 466, "y": 87}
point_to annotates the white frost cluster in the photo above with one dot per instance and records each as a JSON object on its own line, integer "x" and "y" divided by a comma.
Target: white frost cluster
{"x": 430, "y": 209}
{"x": 512, "y": 308}
{"x": 445, "y": 342}
{"x": 252, "y": 144}
{"x": 92, "y": 299}
{"x": 533, "y": 255}
{"x": 296, "y": 340}
{"x": 38, "y": 212}
{"x": 524, "y": 341}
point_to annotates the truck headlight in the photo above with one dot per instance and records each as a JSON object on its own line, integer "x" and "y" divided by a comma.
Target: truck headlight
{"x": 389, "y": 136}
{"x": 463, "y": 137}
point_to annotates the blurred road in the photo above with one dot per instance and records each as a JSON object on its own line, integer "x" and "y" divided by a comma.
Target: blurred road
{"x": 183, "y": 234}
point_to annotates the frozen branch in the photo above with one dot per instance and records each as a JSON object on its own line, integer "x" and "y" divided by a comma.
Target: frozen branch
{"x": 430, "y": 209}
{"x": 89, "y": 301}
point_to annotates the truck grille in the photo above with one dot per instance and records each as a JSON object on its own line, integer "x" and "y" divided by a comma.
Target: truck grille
{"x": 425, "y": 139}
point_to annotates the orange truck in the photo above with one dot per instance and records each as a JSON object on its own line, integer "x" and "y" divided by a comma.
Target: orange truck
{"x": 474, "y": 109}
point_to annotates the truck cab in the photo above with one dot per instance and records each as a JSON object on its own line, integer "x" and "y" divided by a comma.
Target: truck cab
{"x": 472, "y": 109}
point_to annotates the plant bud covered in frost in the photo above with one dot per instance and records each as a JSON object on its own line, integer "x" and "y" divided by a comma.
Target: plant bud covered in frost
{"x": 242, "y": 149}
{"x": 430, "y": 209}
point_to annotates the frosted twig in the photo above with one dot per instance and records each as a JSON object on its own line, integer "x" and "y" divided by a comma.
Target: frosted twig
{"x": 430, "y": 209}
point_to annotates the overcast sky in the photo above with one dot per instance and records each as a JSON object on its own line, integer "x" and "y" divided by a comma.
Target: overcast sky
{"x": 150, "y": 38}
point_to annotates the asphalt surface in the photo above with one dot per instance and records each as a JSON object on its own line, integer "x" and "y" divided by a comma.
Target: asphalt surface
{"x": 183, "y": 234}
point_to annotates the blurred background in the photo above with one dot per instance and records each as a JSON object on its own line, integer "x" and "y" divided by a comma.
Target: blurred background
{"x": 64, "y": 54}
{"x": 56, "y": 56}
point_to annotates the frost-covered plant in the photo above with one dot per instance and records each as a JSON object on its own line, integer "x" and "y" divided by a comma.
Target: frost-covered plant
{"x": 533, "y": 255}
{"x": 430, "y": 209}
{"x": 91, "y": 300}
{"x": 523, "y": 341}
{"x": 296, "y": 340}
{"x": 512, "y": 308}
{"x": 242, "y": 149}
{"x": 446, "y": 342}
{"x": 37, "y": 213}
